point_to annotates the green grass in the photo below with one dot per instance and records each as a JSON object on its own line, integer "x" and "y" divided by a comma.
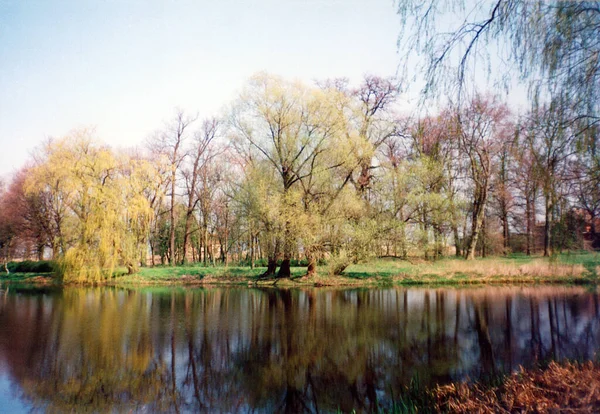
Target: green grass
{"x": 27, "y": 279}
{"x": 197, "y": 272}
{"x": 577, "y": 267}
{"x": 591, "y": 261}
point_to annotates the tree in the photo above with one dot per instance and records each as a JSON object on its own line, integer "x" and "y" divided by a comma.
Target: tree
{"x": 586, "y": 171}
{"x": 105, "y": 211}
{"x": 290, "y": 128}
{"x": 25, "y": 220}
{"x": 170, "y": 143}
{"x": 142, "y": 184}
{"x": 503, "y": 189}
{"x": 374, "y": 121}
{"x": 551, "y": 139}
{"x": 483, "y": 126}
{"x": 201, "y": 154}
{"x": 8, "y": 225}
{"x": 527, "y": 185}
{"x": 553, "y": 44}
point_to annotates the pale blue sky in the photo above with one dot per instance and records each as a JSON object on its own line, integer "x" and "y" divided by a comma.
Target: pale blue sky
{"x": 122, "y": 66}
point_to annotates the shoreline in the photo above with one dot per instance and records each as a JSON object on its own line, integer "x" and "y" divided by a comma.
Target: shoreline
{"x": 462, "y": 280}
{"x": 569, "y": 269}
{"x": 568, "y": 385}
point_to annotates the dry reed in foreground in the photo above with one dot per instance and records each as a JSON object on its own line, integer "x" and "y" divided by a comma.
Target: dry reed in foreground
{"x": 566, "y": 388}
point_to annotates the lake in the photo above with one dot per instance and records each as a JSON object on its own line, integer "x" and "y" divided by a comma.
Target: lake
{"x": 266, "y": 350}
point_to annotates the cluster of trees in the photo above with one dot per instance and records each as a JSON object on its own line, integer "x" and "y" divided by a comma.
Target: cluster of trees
{"x": 331, "y": 171}
{"x": 296, "y": 171}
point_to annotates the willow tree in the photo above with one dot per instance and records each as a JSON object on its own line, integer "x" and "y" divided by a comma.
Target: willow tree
{"x": 551, "y": 44}
{"x": 293, "y": 129}
{"x": 104, "y": 207}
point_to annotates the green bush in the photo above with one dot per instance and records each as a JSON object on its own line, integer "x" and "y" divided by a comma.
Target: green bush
{"x": 29, "y": 266}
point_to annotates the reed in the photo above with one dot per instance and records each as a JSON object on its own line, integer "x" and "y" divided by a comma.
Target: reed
{"x": 561, "y": 387}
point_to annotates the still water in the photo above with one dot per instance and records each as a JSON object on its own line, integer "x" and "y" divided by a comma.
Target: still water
{"x": 215, "y": 350}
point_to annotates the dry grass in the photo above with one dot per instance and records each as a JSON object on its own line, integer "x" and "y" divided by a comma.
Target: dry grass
{"x": 566, "y": 388}
{"x": 537, "y": 268}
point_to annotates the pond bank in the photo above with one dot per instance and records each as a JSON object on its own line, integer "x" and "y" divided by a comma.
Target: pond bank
{"x": 582, "y": 268}
{"x": 568, "y": 386}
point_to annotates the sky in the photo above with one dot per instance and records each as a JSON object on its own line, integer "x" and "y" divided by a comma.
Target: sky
{"x": 124, "y": 66}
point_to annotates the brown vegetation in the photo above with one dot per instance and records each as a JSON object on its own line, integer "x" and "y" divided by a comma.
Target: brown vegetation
{"x": 536, "y": 269}
{"x": 567, "y": 387}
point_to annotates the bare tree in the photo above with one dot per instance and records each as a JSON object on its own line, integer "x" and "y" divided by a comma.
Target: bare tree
{"x": 376, "y": 125}
{"x": 170, "y": 143}
{"x": 201, "y": 155}
{"x": 482, "y": 128}
{"x": 551, "y": 139}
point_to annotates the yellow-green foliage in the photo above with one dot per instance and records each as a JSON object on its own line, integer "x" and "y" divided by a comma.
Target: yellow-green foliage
{"x": 103, "y": 193}
{"x": 303, "y": 144}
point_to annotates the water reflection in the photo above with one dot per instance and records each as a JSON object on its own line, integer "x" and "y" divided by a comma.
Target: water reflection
{"x": 276, "y": 350}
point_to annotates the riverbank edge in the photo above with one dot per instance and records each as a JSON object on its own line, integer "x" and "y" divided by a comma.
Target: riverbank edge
{"x": 568, "y": 385}
{"x": 461, "y": 279}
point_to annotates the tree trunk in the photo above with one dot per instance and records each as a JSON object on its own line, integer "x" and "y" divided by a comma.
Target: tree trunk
{"x": 437, "y": 233}
{"x": 285, "y": 270}
{"x": 528, "y": 223}
{"x": 271, "y": 266}
{"x": 458, "y": 252}
{"x": 186, "y": 235}
{"x": 6, "y": 257}
{"x": 205, "y": 243}
{"x": 55, "y": 250}
{"x": 547, "y": 228}
{"x": 593, "y": 234}
{"x": 311, "y": 269}
{"x": 251, "y": 250}
{"x": 40, "y": 251}
{"x": 505, "y": 232}
{"x": 364, "y": 179}
{"x": 403, "y": 249}
{"x": 172, "y": 219}
{"x": 483, "y": 237}
{"x": 131, "y": 268}
{"x": 226, "y": 248}
{"x": 478, "y": 215}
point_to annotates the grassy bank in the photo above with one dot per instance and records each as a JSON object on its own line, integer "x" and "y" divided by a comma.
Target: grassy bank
{"x": 578, "y": 268}
{"x": 566, "y": 268}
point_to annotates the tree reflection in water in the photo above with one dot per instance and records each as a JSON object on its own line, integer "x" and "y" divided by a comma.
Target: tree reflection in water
{"x": 181, "y": 350}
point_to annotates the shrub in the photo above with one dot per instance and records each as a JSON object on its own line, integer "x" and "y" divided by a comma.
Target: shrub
{"x": 338, "y": 263}
{"x": 29, "y": 266}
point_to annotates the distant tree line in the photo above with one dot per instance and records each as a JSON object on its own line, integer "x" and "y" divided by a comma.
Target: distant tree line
{"x": 294, "y": 172}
